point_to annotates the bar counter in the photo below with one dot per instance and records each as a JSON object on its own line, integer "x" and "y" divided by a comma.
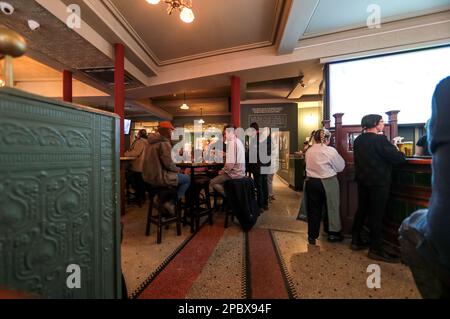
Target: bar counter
{"x": 410, "y": 191}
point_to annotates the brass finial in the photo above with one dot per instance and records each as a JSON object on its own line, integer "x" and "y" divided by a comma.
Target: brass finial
{"x": 12, "y": 45}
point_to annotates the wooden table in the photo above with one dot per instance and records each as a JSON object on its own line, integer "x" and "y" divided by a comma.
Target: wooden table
{"x": 193, "y": 166}
{"x": 123, "y": 162}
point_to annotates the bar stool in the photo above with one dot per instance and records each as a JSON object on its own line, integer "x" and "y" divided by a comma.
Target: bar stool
{"x": 164, "y": 194}
{"x": 197, "y": 200}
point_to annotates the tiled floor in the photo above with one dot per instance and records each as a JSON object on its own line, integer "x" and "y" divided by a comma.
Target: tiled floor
{"x": 325, "y": 271}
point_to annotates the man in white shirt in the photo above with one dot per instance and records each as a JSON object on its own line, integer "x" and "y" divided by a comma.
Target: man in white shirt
{"x": 235, "y": 161}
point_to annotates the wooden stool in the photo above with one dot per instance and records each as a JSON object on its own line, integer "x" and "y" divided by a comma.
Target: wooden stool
{"x": 195, "y": 210}
{"x": 164, "y": 195}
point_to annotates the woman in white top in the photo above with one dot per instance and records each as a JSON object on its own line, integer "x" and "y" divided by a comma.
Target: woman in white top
{"x": 322, "y": 187}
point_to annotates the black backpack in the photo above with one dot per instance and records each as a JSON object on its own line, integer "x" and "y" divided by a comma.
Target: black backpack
{"x": 241, "y": 197}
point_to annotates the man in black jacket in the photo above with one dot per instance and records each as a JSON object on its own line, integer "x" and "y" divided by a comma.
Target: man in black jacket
{"x": 255, "y": 166}
{"x": 374, "y": 156}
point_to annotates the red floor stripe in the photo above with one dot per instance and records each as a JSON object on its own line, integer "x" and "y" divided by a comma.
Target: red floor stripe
{"x": 265, "y": 273}
{"x": 178, "y": 277}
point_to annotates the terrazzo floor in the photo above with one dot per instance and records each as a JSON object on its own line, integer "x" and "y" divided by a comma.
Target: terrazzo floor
{"x": 323, "y": 271}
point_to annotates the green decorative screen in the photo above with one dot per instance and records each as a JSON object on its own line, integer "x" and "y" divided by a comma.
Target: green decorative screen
{"x": 59, "y": 199}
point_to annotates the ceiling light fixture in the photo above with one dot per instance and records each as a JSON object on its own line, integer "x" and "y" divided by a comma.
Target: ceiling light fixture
{"x": 184, "y": 6}
{"x": 184, "y": 106}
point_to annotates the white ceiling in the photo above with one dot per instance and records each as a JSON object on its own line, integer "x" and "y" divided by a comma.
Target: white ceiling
{"x": 219, "y": 27}
{"x": 337, "y": 15}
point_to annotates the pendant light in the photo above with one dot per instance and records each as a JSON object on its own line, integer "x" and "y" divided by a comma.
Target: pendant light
{"x": 201, "y": 117}
{"x": 184, "y": 106}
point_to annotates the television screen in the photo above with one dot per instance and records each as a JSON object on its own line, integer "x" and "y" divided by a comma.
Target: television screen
{"x": 403, "y": 81}
{"x": 127, "y": 127}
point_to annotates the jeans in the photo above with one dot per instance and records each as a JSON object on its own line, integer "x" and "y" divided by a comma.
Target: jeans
{"x": 184, "y": 182}
{"x": 431, "y": 277}
{"x": 135, "y": 179}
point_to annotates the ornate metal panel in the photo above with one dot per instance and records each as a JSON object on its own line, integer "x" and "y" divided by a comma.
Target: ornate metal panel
{"x": 59, "y": 197}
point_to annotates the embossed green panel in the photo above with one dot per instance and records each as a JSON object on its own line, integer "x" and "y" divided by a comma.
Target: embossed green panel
{"x": 59, "y": 197}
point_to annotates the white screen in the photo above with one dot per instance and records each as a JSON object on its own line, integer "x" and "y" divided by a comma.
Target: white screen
{"x": 404, "y": 82}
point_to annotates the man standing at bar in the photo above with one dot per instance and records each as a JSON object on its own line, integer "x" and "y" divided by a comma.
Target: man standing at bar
{"x": 374, "y": 157}
{"x": 255, "y": 164}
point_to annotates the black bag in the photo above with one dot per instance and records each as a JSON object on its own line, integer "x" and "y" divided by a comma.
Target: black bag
{"x": 241, "y": 198}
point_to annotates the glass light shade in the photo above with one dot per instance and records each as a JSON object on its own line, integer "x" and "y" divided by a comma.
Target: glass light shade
{"x": 201, "y": 121}
{"x": 187, "y": 15}
{"x": 184, "y": 106}
{"x": 153, "y": 1}
{"x": 2, "y": 83}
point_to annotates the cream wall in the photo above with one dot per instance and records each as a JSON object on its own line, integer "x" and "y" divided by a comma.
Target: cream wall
{"x": 310, "y": 115}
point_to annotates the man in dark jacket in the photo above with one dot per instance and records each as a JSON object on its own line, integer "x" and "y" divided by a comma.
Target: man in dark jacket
{"x": 255, "y": 166}
{"x": 159, "y": 170}
{"x": 425, "y": 235}
{"x": 374, "y": 156}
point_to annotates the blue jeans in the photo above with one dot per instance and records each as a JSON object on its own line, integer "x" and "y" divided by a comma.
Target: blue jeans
{"x": 184, "y": 182}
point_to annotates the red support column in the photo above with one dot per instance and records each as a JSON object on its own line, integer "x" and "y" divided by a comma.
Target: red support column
{"x": 119, "y": 91}
{"x": 119, "y": 109}
{"x": 236, "y": 101}
{"x": 67, "y": 86}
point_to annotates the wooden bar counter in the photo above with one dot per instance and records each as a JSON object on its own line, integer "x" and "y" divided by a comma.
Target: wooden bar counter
{"x": 410, "y": 191}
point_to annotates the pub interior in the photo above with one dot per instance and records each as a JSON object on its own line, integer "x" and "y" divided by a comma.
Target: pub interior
{"x": 115, "y": 180}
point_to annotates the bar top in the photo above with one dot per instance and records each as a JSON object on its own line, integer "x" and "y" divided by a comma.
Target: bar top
{"x": 419, "y": 160}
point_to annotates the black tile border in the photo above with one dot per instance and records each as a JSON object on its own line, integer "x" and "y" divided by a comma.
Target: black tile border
{"x": 289, "y": 283}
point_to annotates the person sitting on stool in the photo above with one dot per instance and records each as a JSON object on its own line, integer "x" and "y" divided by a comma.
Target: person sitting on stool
{"x": 159, "y": 168}
{"x": 234, "y": 163}
{"x": 137, "y": 150}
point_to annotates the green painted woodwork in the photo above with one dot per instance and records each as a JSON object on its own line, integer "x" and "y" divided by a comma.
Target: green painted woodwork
{"x": 59, "y": 197}
{"x": 296, "y": 173}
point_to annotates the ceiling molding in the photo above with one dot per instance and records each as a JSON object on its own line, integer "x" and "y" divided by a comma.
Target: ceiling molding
{"x": 299, "y": 17}
{"x": 396, "y": 49}
{"x": 239, "y": 48}
{"x": 384, "y": 21}
{"x": 407, "y": 26}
